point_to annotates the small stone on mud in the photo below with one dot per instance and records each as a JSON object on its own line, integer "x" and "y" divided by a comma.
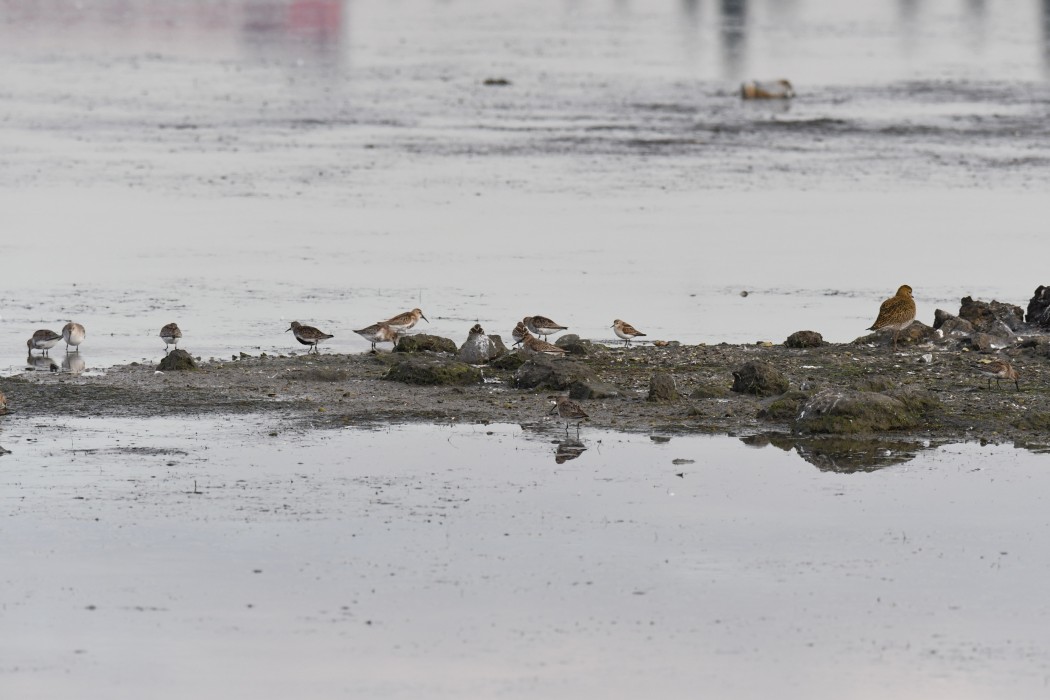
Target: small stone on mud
{"x": 177, "y": 360}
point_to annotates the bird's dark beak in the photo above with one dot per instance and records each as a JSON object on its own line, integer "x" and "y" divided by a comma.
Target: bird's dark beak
{"x": 424, "y": 318}
{"x": 287, "y": 329}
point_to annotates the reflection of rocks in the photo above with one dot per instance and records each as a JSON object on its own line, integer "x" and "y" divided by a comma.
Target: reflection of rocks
{"x": 844, "y": 455}
{"x": 41, "y": 363}
{"x": 569, "y": 449}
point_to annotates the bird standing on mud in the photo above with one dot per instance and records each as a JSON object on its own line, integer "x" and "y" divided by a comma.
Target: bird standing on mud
{"x": 626, "y": 332}
{"x": 897, "y": 313}
{"x": 308, "y": 335}
{"x": 569, "y": 411}
{"x": 998, "y": 370}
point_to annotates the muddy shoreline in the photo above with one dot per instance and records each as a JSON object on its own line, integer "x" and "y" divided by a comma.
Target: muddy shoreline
{"x": 332, "y": 390}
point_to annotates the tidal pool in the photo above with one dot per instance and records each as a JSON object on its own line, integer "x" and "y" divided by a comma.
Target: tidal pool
{"x": 174, "y": 558}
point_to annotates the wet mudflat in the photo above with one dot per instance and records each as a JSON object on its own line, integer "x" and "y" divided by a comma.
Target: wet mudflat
{"x": 175, "y": 557}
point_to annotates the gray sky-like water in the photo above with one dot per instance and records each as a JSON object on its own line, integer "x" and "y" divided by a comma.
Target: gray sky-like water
{"x": 447, "y": 561}
{"x": 236, "y": 166}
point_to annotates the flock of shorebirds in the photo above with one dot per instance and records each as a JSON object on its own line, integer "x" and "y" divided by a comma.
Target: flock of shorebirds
{"x": 531, "y": 333}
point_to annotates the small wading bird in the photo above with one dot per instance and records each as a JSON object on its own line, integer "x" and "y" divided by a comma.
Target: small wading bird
{"x": 378, "y": 333}
{"x": 519, "y": 333}
{"x": 308, "y": 335}
{"x": 170, "y": 334}
{"x": 43, "y": 340}
{"x": 626, "y": 332}
{"x": 569, "y": 411}
{"x": 532, "y": 344}
{"x": 998, "y": 370}
{"x": 541, "y": 325}
{"x": 402, "y": 322}
{"x": 897, "y": 313}
{"x": 73, "y": 334}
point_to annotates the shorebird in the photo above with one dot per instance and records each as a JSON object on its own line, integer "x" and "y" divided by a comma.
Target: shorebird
{"x": 625, "y": 331}
{"x": 402, "y": 322}
{"x": 569, "y": 411}
{"x": 378, "y": 333}
{"x": 541, "y": 325}
{"x": 73, "y": 334}
{"x": 170, "y": 334}
{"x": 997, "y": 370}
{"x": 767, "y": 90}
{"x": 43, "y": 340}
{"x": 519, "y": 333}
{"x": 897, "y": 313}
{"x": 308, "y": 335}
{"x": 532, "y": 344}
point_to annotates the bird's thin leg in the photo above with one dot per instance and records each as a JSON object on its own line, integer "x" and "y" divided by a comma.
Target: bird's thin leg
{"x": 1017, "y": 384}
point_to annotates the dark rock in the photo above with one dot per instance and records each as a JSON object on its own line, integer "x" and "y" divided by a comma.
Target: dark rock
{"x": 939, "y": 317}
{"x": 982, "y": 342}
{"x": 496, "y": 82}
{"x": 804, "y": 339}
{"x": 955, "y": 327}
{"x": 1039, "y": 308}
{"x": 543, "y": 372}
{"x": 759, "y": 378}
{"x": 572, "y": 343}
{"x": 662, "y": 388}
{"x": 177, "y": 360}
{"x": 1039, "y": 346}
{"x": 592, "y": 389}
{"x": 993, "y": 318}
{"x": 783, "y": 408}
{"x": 497, "y": 340}
{"x": 423, "y": 342}
{"x": 510, "y": 361}
{"x": 915, "y": 334}
{"x": 843, "y": 411}
{"x": 433, "y": 371}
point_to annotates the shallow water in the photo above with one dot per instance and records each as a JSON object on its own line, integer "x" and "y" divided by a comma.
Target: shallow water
{"x": 235, "y": 166}
{"x": 174, "y": 558}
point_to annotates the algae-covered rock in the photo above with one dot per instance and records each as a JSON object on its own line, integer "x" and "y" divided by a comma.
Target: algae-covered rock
{"x": 710, "y": 391}
{"x": 510, "y": 361}
{"x": 662, "y": 388}
{"x": 433, "y": 371}
{"x": 843, "y": 411}
{"x": 804, "y": 339}
{"x": 783, "y": 408}
{"x": 759, "y": 378}
{"x": 542, "y": 372}
{"x": 590, "y": 388}
{"x": 177, "y": 360}
{"x": 423, "y": 342}
{"x": 915, "y": 334}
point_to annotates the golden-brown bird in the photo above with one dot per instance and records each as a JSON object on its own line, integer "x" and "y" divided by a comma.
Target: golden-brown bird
{"x": 896, "y": 312}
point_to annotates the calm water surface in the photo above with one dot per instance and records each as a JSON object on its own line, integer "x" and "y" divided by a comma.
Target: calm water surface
{"x": 235, "y": 166}
{"x": 176, "y": 558}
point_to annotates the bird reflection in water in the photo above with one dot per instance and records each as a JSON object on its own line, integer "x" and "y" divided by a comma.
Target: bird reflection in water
{"x": 568, "y": 449}
{"x": 41, "y": 363}
{"x": 74, "y": 364}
